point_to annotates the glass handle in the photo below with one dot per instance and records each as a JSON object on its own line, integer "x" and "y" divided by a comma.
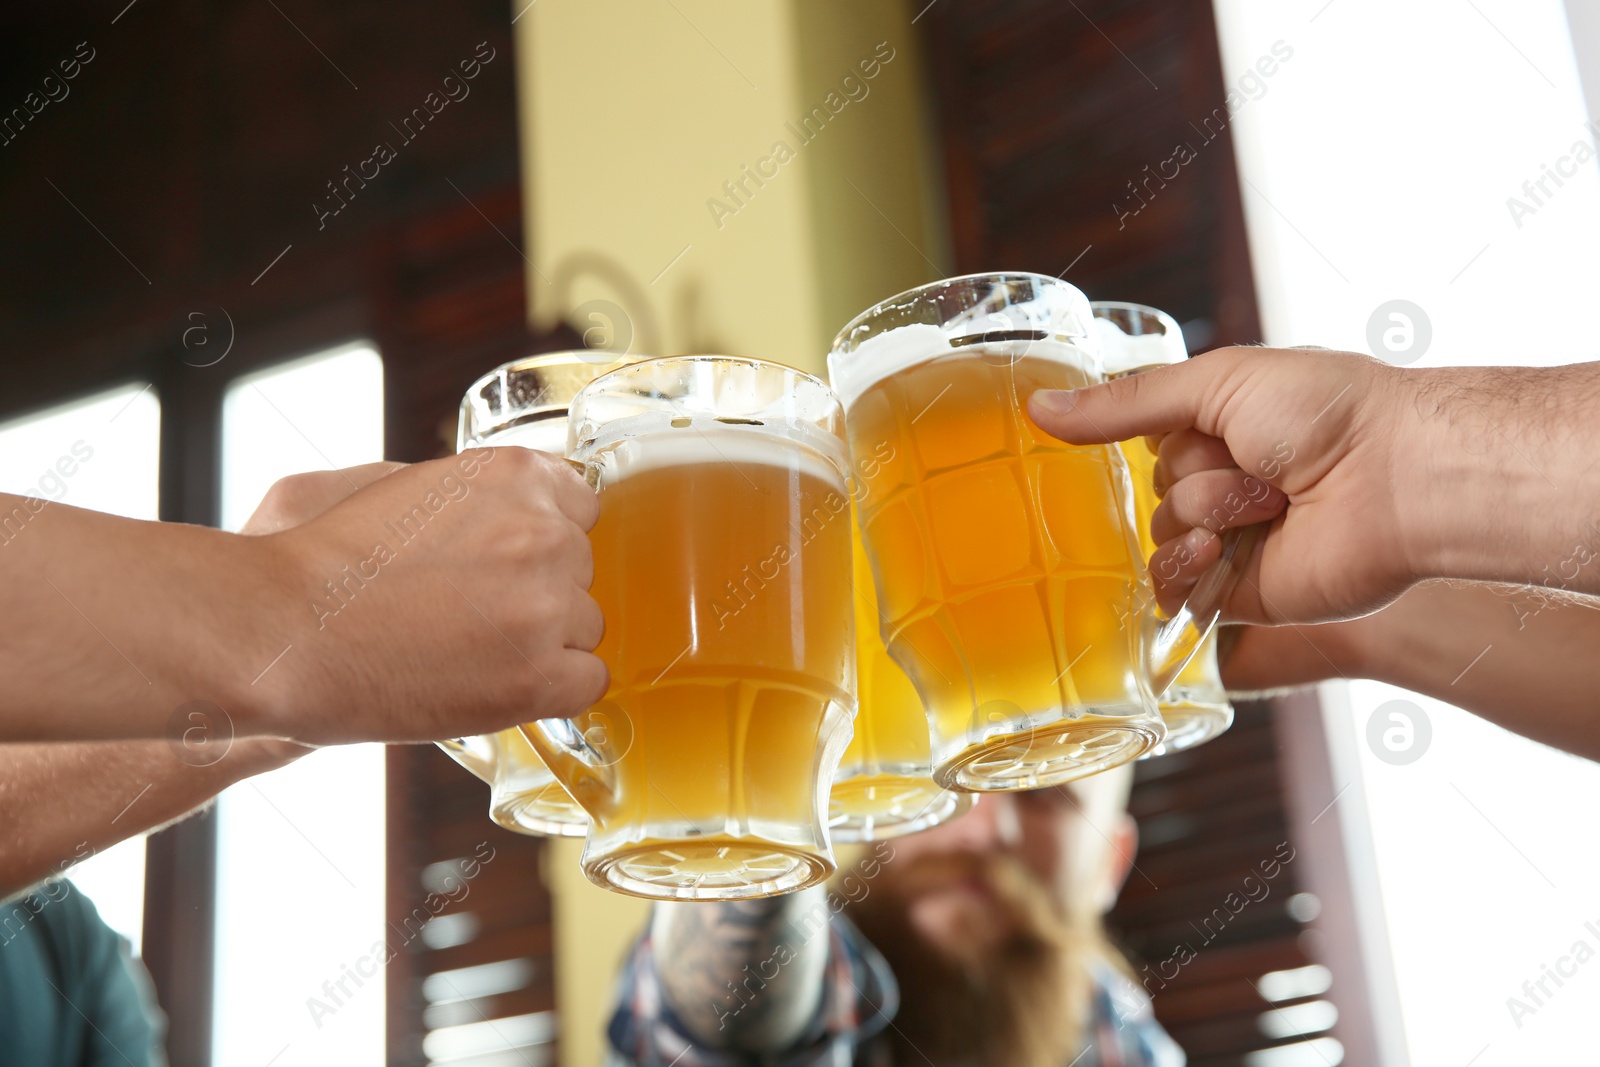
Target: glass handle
{"x": 477, "y": 754}
{"x": 1175, "y": 641}
{"x": 582, "y": 768}
{"x": 590, "y": 472}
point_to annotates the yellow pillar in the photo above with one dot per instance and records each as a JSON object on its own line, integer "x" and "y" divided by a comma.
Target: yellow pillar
{"x": 713, "y": 176}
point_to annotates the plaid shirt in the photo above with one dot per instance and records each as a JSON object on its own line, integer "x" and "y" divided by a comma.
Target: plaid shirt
{"x": 859, "y": 997}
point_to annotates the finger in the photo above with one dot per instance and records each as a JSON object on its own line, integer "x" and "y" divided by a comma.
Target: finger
{"x": 1178, "y": 564}
{"x": 1156, "y": 401}
{"x": 577, "y": 555}
{"x": 1187, "y": 452}
{"x": 1216, "y": 501}
{"x": 586, "y": 624}
{"x": 579, "y": 682}
{"x": 560, "y": 481}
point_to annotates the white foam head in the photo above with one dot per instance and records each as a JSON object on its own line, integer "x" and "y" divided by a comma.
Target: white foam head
{"x": 1125, "y": 353}
{"x": 545, "y": 435}
{"x": 908, "y": 346}
{"x": 656, "y": 439}
{"x": 1053, "y": 317}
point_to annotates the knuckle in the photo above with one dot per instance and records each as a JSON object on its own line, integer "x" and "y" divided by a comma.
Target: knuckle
{"x": 288, "y": 489}
{"x": 594, "y": 624}
{"x": 514, "y": 461}
{"x": 545, "y": 536}
{"x": 1183, "y": 501}
{"x": 1232, "y": 357}
{"x": 536, "y": 613}
{"x": 583, "y": 564}
{"x": 586, "y": 508}
{"x": 292, "y": 496}
{"x": 1126, "y": 390}
{"x": 530, "y": 540}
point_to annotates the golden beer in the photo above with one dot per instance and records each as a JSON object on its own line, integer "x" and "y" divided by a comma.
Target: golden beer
{"x": 722, "y": 564}
{"x": 1195, "y": 707}
{"x": 524, "y": 403}
{"x": 1135, "y": 337}
{"x": 885, "y": 785}
{"x": 1008, "y": 574}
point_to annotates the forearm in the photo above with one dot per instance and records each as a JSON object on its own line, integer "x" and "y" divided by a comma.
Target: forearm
{"x": 113, "y": 624}
{"x": 1499, "y": 477}
{"x": 1520, "y": 657}
{"x": 744, "y": 975}
{"x": 60, "y": 803}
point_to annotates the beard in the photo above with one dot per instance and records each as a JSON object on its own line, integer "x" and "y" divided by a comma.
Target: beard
{"x": 1012, "y": 987}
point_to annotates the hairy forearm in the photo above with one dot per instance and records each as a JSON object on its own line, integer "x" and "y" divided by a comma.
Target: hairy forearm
{"x": 744, "y": 975}
{"x": 113, "y": 624}
{"x": 62, "y": 802}
{"x": 1501, "y": 483}
{"x": 1521, "y": 657}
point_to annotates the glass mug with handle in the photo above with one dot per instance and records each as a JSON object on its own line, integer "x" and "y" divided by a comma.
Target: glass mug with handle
{"x": 1006, "y": 562}
{"x": 1135, "y": 338}
{"x": 525, "y": 403}
{"x": 722, "y": 564}
{"x": 884, "y": 787}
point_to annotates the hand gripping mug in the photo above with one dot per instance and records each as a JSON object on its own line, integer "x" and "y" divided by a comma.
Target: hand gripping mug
{"x": 722, "y": 564}
{"x": 1007, "y": 566}
{"x": 525, "y": 403}
{"x": 1134, "y": 338}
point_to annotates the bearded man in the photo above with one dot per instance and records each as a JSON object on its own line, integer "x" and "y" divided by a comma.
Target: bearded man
{"x": 979, "y": 942}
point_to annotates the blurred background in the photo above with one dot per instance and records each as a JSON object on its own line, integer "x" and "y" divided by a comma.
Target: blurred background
{"x": 252, "y": 237}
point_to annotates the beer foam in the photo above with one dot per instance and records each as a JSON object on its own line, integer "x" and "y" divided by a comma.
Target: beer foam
{"x": 887, "y": 354}
{"x": 654, "y": 440}
{"x": 1121, "y": 353}
{"x": 1054, "y": 310}
{"x": 545, "y": 435}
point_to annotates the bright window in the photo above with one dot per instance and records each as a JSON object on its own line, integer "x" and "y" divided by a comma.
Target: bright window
{"x": 113, "y": 440}
{"x": 1391, "y": 158}
{"x": 300, "y": 852}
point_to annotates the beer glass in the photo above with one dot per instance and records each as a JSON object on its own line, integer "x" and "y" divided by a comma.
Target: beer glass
{"x": 884, "y": 787}
{"x": 722, "y": 564}
{"x": 1008, "y": 570}
{"x": 525, "y": 403}
{"x": 1134, "y": 338}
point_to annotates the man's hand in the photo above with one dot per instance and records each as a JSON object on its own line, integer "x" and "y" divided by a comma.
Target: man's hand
{"x": 63, "y": 801}
{"x": 300, "y": 498}
{"x": 1372, "y": 477}
{"x": 443, "y": 598}
{"x": 290, "y": 501}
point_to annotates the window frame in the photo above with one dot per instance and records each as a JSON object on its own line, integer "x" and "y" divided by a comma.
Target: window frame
{"x": 179, "y": 926}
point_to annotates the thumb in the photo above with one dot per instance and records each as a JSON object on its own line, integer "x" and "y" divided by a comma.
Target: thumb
{"x": 1139, "y": 405}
